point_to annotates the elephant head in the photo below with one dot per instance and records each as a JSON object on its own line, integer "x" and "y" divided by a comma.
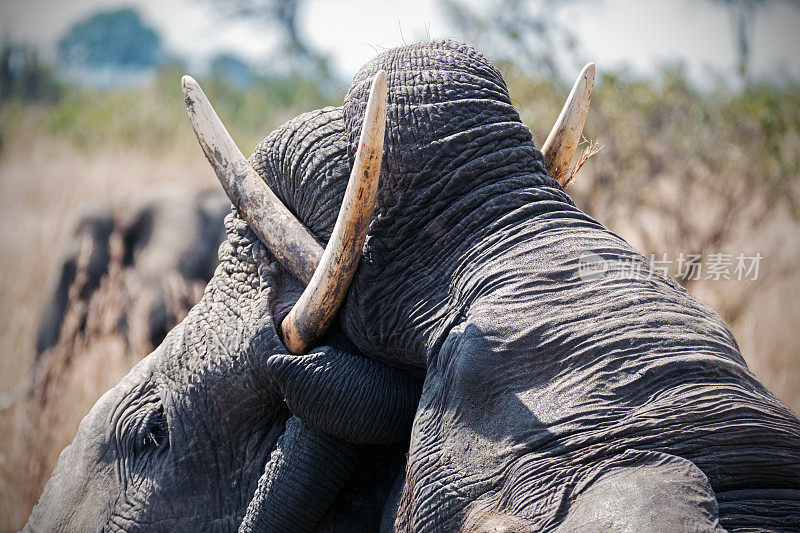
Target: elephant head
{"x": 552, "y": 399}
{"x": 217, "y": 429}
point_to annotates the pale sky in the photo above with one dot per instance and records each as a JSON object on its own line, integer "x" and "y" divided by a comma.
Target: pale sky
{"x": 637, "y": 33}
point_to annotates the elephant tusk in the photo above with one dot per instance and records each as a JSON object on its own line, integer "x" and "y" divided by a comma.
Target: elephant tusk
{"x": 285, "y": 236}
{"x": 561, "y": 144}
{"x": 327, "y": 274}
{"x": 314, "y": 311}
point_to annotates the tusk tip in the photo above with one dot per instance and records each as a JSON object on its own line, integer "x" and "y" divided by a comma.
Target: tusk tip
{"x": 378, "y": 89}
{"x": 562, "y": 142}
{"x": 188, "y": 83}
{"x": 588, "y": 73}
{"x": 191, "y": 92}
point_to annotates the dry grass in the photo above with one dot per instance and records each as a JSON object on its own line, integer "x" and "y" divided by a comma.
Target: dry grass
{"x": 90, "y": 357}
{"x": 44, "y": 185}
{"x": 591, "y": 149}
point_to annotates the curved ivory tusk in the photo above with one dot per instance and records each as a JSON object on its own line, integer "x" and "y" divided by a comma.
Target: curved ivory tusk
{"x": 561, "y": 144}
{"x": 327, "y": 274}
{"x": 285, "y": 236}
{"x": 317, "y": 306}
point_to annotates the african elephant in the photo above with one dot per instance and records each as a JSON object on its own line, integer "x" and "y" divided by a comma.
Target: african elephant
{"x": 170, "y": 231}
{"x": 551, "y": 400}
{"x": 199, "y": 435}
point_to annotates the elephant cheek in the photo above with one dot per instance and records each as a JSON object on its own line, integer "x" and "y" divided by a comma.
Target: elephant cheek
{"x": 82, "y": 491}
{"x": 77, "y": 497}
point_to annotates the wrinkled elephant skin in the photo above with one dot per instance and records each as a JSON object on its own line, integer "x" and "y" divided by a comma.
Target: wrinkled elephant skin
{"x": 551, "y": 401}
{"x": 216, "y": 429}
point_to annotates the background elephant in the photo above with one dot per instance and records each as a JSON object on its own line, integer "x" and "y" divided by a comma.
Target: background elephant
{"x": 199, "y": 436}
{"x": 129, "y": 272}
{"x": 173, "y": 233}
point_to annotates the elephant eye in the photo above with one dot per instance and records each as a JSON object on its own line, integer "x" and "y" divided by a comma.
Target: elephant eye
{"x": 153, "y": 433}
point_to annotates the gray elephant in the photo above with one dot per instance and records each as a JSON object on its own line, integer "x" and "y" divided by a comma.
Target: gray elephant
{"x": 200, "y": 436}
{"x": 169, "y": 231}
{"x": 551, "y": 400}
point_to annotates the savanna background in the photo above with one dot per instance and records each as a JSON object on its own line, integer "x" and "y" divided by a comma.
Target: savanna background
{"x": 693, "y": 158}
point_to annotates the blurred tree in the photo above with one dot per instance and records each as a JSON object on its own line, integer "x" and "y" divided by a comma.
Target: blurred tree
{"x": 116, "y": 38}
{"x": 22, "y": 74}
{"x": 282, "y": 15}
{"x": 743, "y": 18}
{"x": 232, "y": 69}
{"x": 519, "y": 33}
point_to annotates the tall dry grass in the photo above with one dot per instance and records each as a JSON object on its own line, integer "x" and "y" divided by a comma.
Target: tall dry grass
{"x": 680, "y": 172}
{"x": 45, "y": 183}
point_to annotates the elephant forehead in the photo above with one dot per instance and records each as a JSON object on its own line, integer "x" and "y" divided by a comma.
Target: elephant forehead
{"x": 437, "y": 93}
{"x": 438, "y": 65}
{"x": 305, "y": 163}
{"x": 456, "y": 156}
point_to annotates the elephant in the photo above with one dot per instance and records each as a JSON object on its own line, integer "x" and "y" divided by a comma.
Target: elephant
{"x": 168, "y": 231}
{"x": 553, "y": 400}
{"x": 550, "y": 399}
{"x": 200, "y": 434}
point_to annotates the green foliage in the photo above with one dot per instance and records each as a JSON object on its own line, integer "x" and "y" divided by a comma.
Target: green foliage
{"x": 154, "y": 117}
{"x": 769, "y": 119}
{"x": 113, "y": 39}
